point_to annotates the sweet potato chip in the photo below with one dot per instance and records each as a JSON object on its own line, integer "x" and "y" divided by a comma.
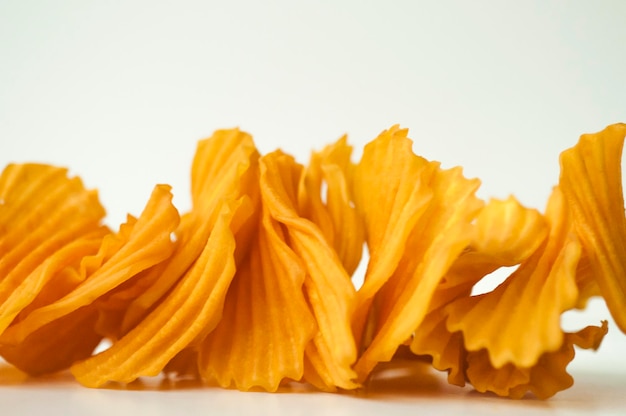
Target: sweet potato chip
{"x": 389, "y": 204}
{"x": 55, "y": 346}
{"x": 48, "y": 222}
{"x": 591, "y": 180}
{"x": 34, "y": 196}
{"x": 266, "y": 322}
{"x": 251, "y": 288}
{"x": 148, "y": 244}
{"x": 224, "y": 166}
{"x": 544, "y": 379}
{"x": 505, "y": 234}
{"x": 432, "y": 209}
{"x": 328, "y": 288}
{"x": 542, "y": 288}
{"x": 30, "y": 288}
{"x": 335, "y": 215}
{"x": 193, "y": 307}
{"x": 293, "y": 287}
{"x": 41, "y": 211}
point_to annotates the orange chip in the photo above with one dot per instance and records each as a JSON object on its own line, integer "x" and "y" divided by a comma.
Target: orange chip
{"x": 48, "y": 222}
{"x": 266, "y": 322}
{"x": 542, "y": 288}
{"x": 591, "y": 180}
{"x": 224, "y": 166}
{"x": 55, "y": 346}
{"x": 389, "y": 204}
{"x": 286, "y": 316}
{"x": 328, "y": 288}
{"x": 417, "y": 224}
{"x": 41, "y": 211}
{"x": 544, "y": 379}
{"x": 148, "y": 244}
{"x": 191, "y": 309}
{"x": 336, "y": 216}
{"x": 251, "y": 288}
{"x": 30, "y": 289}
{"x": 505, "y": 234}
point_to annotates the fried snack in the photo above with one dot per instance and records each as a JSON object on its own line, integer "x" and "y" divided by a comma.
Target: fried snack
{"x": 417, "y": 223}
{"x": 511, "y": 339}
{"x": 251, "y": 289}
{"x": 138, "y": 246}
{"x": 48, "y": 222}
{"x": 591, "y": 179}
{"x": 335, "y": 215}
{"x": 187, "y": 312}
{"x": 224, "y": 166}
{"x": 57, "y": 345}
{"x": 544, "y": 379}
{"x": 524, "y": 341}
{"x": 327, "y": 286}
{"x": 266, "y": 323}
{"x": 505, "y": 234}
{"x": 541, "y": 288}
{"x": 292, "y": 286}
{"x": 191, "y": 285}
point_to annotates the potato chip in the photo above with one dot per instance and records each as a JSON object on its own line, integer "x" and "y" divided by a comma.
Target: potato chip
{"x": 55, "y": 346}
{"x": 285, "y": 297}
{"x": 148, "y": 243}
{"x": 505, "y": 234}
{"x": 334, "y": 214}
{"x": 224, "y": 166}
{"x": 328, "y": 288}
{"x": 251, "y": 289}
{"x": 30, "y": 288}
{"x": 192, "y": 307}
{"x": 48, "y": 223}
{"x": 544, "y": 379}
{"x": 266, "y": 322}
{"x": 417, "y": 224}
{"x": 389, "y": 204}
{"x": 42, "y": 210}
{"x": 542, "y": 288}
{"x": 591, "y": 180}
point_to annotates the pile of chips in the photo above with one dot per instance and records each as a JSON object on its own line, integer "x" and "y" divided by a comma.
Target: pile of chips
{"x": 252, "y": 288}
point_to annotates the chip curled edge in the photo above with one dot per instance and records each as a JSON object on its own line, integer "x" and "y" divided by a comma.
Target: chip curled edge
{"x": 418, "y": 220}
{"x": 591, "y": 180}
{"x": 191, "y": 309}
{"x": 505, "y": 234}
{"x": 286, "y": 316}
{"x": 49, "y": 222}
{"x": 148, "y": 243}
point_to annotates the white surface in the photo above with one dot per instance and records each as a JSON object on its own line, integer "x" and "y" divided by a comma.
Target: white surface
{"x": 121, "y": 91}
{"x": 592, "y": 394}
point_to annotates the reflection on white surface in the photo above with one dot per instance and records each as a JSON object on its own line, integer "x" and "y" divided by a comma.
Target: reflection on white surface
{"x": 405, "y": 393}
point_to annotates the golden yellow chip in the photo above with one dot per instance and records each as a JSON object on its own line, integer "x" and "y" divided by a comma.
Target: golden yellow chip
{"x": 224, "y": 166}
{"x": 192, "y": 308}
{"x": 48, "y": 224}
{"x": 544, "y": 379}
{"x": 591, "y": 179}
{"x": 505, "y": 234}
{"x": 335, "y": 214}
{"x": 252, "y": 287}
{"x": 148, "y": 243}
{"x": 286, "y": 316}
{"x": 57, "y": 345}
{"x": 542, "y": 288}
{"x": 417, "y": 224}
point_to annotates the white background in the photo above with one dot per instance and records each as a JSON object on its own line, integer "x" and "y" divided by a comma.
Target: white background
{"x": 120, "y": 92}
